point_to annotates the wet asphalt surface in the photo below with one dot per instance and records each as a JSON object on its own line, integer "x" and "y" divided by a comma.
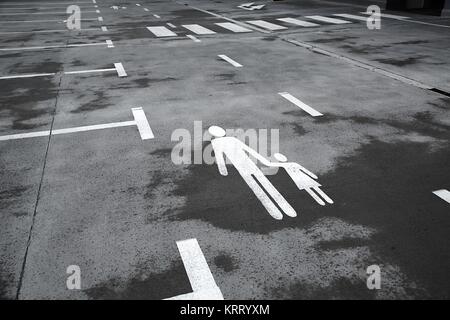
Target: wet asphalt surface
{"x": 116, "y": 205}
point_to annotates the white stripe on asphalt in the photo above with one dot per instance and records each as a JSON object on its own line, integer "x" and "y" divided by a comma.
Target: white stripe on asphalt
{"x": 96, "y": 11}
{"x": 120, "y": 70}
{"x": 25, "y": 135}
{"x": 190, "y": 36}
{"x": 90, "y": 71}
{"x": 229, "y": 60}
{"x": 110, "y": 43}
{"x": 28, "y": 76}
{"x": 31, "y": 13}
{"x": 45, "y": 31}
{"x": 350, "y": 16}
{"x": 53, "y": 47}
{"x": 34, "y": 21}
{"x": 161, "y": 31}
{"x": 145, "y": 9}
{"x": 171, "y": 25}
{"x": 197, "y": 29}
{"x": 300, "y": 104}
{"x": 266, "y": 25}
{"x": 104, "y": 29}
{"x": 197, "y": 269}
{"x": 385, "y": 15}
{"x": 444, "y": 194}
{"x": 298, "y": 22}
{"x": 142, "y": 124}
{"x": 100, "y": 19}
{"x": 329, "y": 20}
{"x": 156, "y": 16}
{"x": 233, "y": 27}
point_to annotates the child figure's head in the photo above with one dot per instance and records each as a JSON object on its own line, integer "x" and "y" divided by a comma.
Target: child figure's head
{"x": 280, "y": 157}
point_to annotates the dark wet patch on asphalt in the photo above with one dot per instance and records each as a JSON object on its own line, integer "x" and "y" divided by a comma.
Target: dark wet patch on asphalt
{"x": 6, "y": 196}
{"x": 337, "y": 39}
{"x": 100, "y": 102}
{"x": 364, "y": 49}
{"x": 47, "y": 66}
{"x": 145, "y": 82}
{"x": 225, "y": 76}
{"x": 401, "y": 62}
{"x": 155, "y": 286}
{"x": 225, "y": 262}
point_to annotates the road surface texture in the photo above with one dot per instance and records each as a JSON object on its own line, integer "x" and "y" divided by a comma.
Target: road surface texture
{"x": 109, "y": 198}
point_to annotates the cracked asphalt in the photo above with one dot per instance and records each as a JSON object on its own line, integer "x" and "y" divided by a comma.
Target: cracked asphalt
{"x": 115, "y": 204}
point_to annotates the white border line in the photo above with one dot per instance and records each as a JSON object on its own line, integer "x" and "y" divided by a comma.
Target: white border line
{"x": 120, "y": 69}
{"x": 190, "y": 36}
{"x": 300, "y": 104}
{"x": 444, "y": 194}
{"x": 230, "y": 61}
{"x": 142, "y": 124}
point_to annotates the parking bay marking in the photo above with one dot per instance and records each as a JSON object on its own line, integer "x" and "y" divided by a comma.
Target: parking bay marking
{"x": 300, "y": 104}
{"x": 118, "y": 67}
{"x": 195, "y": 39}
{"x": 202, "y": 281}
{"x": 444, "y": 194}
{"x": 109, "y": 44}
{"x": 229, "y": 60}
{"x": 140, "y": 120}
{"x": 161, "y": 31}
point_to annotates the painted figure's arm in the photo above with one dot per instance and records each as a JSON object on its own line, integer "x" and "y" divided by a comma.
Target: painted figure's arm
{"x": 256, "y": 155}
{"x": 309, "y": 173}
{"x": 220, "y": 160}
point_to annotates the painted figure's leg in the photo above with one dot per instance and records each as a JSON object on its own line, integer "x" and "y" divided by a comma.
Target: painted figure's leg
{"x": 315, "y": 196}
{"x": 262, "y": 196}
{"x": 279, "y": 199}
{"x": 323, "y": 195}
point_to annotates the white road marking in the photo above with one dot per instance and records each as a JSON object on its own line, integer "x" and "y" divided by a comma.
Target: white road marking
{"x": 197, "y": 29}
{"x": 195, "y": 39}
{"x": 46, "y": 31}
{"x": 93, "y": 1}
{"x": 142, "y": 124}
{"x": 202, "y": 281}
{"x": 137, "y": 4}
{"x": 140, "y": 120}
{"x": 120, "y": 70}
{"x": 298, "y": 22}
{"x": 100, "y": 19}
{"x": 300, "y": 104}
{"x": 90, "y": 71}
{"x": 156, "y": 16}
{"x": 233, "y": 27}
{"x": 35, "y": 21}
{"x": 161, "y": 31}
{"x": 350, "y": 16}
{"x": 385, "y": 15}
{"x": 109, "y": 43}
{"x": 28, "y": 76}
{"x": 229, "y": 60}
{"x": 329, "y": 20}
{"x": 31, "y": 13}
{"x": 266, "y": 25}
{"x": 97, "y": 11}
{"x": 145, "y": 9}
{"x": 171, "y": 25}
{"x": 104, "y": 29}
{"x": 444, "y": 194}
{"x": 57, "y": 46}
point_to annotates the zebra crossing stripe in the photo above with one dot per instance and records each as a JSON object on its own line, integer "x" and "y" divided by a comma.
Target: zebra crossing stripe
{"x": 197, "y": 29}
{"x": 233, "y": 27}
{"x": 298, "y": 22}
{"x": 327, "y": 19}
{"x": 350, "y": 16}
{"x": 161, "y": 31}
{"x": 266, "y": 25}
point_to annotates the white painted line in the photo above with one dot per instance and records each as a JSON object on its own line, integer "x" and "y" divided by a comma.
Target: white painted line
{"x": 104, "y": 29}
{"x": 171, "y": 25}
{"x": 90, "y": 71}
{"x": 27, "y": 76}
{"x": 229, "y": 60}
{"x": 329, "y": 20}
{"x": 197, "y": 29}
{"x": 25, "y": 135}
{"x": 120, "y": 70}
{"x": 93, "y": 1}
{"x": 202, "y": 281}
{"x": 266, "y": 25}
{"x": 190, "y": 36}
{"x": 350, "y": 16}
{"x": 161, "y": 31}
{"x": 97, "y": 11}
{"x": 47, "y": 31}
{"x": 31, "y": 13}
{"x": 137, "y": 4}
{"x": 385, "y": 15}
{"x": 53, "y": 47}
{"x": 300, "y": 104}
{"x": 156, "y": 16}
{"x": 94, "y": 127}
{"x": 35, "y": 21}
{"x": 109, "y": 43}
{"x": 145, "y": 9}
{"x": 100, "y": 19}
{"x": 298, "y": 22}
{"x": 444, "y": 194}
{"x": 233, "y": 27}
{"x": 142, "y": 124}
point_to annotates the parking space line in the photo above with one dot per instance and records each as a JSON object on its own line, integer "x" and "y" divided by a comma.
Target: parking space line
{"x": 27, "y": 76}
{"x": 108, "y": 43}
{"x": 90, "y": 71}
{"x": 145, "y": 9}
{"x": 34, "y": 21}
{"x": 120, "y": 69}
{"x": 161, "y": 31}
{"x": 197, "y": 29}
{"x": 104, "y": 29}
{"x": 156, "y": 16}
{"x": 142, "y": 124}
{"x": 444, "y": 194}
{"x": 100, "y": 19}
{"x": 298, "y": 22}
{"x": 47, "y": 31}
{"x": 267, "y": 25}
{"x": 171, "y": 25}
{"x": 350, "y": 16}
{"x": 229, "y": 60}
{"x": 31, "y": 13}
{"x": 300, "y": 104}
{"x": 195, "y": 39}
{"x": 200, "y": 277}
{"x": 233, "y": 27}
{"x": 327, "y": 19}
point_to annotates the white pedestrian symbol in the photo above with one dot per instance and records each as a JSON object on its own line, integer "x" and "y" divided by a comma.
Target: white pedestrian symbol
{"x": 239, "y": 154}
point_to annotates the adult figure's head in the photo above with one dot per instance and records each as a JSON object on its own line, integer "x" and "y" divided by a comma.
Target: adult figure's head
{"x": 216, "y": 131}
{"x": 280, "y": 157}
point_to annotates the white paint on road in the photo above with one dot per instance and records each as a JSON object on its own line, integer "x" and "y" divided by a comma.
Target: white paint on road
{"x": 328, "y": 20}
{"x": 444, "y": 194}
{"x": 171, "y": 25}
{"x": 100, "y": 19}
{"x": 229, "y": 60}
{"x": 34, "y": 75}
{"x": 233, "y": 27}
{"x": 202, "y": 281}
{"x": 109, "y": 43}
{"x": 58, "y": 46}
{"x": 266, "y": 25}
{"x": 195, "y": 39}
{"x": 120, "y": 70}
{"x": 156, "y": 16}
{"x": 298, "y": 22}
{"x": 197, "y": 29}
{"x": 300, "y": 104}
{"x": 161, "y": 31}
{"x": 142, "y": 124}
{"x": 350, "y": 16}
{"x": 104, "y": 29}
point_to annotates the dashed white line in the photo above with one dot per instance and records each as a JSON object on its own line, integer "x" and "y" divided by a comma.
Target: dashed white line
{"x": 145, "y": 9}
{"x": 329, "y": 20}
{"x": 195, "y": 39}
{"x": 300, "y": 104}
{"x": 298, "y": 22}
{"x": 444, "y": 194}
{"x": 156, "y": 16}
{"x": 233, "y": 27}
{"x": 171, "y": 25}
{"x": 197, "y": 29}
{"x": 202, "y": 281}
{"x": 230, "y": 61}
{"x": 267, "y": 25}
{"x": 143, "y": 126}
{"x": 161, "y": 31}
